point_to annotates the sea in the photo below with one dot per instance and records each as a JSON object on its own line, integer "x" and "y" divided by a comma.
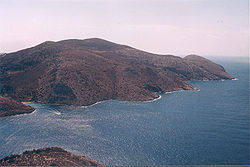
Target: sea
{"x": 206, "y": 127}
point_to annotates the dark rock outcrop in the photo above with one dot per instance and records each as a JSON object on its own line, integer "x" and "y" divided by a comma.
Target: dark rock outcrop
{"x": 82, "y": 72}
{"x": 52, "y": 156}
{"x": 10, "y": 107}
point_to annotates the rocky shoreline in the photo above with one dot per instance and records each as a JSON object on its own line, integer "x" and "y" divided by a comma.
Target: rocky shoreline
{"x": 10, "y": 107}
{"x": 52, "y": 156}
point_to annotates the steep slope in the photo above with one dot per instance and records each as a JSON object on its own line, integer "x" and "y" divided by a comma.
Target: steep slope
{"x": 10, "y": 107}
{"x": 52, "y": 156}
{"x": 82, "y": 72}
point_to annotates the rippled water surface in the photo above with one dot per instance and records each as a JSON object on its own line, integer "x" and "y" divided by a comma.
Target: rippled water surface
{"x": 188, "y": 127}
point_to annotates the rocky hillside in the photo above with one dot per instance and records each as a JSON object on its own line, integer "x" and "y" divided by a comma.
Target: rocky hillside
{"x": 82, "y": 72}
{"x": 10, "y": 107}
{"x": 52, "y": 156}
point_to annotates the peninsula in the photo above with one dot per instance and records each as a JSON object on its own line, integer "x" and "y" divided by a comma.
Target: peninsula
{"x": 9, "y": 107}
{"x": 83, "y": 72}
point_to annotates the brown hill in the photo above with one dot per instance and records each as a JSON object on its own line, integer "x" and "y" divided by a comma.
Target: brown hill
{"x": 211, "y": 68}
{"x": 82, "y": 72}
{"x": 10, "y": 107}
{"x": 52, "y": 156}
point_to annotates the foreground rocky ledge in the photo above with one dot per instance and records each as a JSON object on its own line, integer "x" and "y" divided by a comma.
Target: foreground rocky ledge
{"x": 52, "y": 156}
{"x": 9, "y": 107}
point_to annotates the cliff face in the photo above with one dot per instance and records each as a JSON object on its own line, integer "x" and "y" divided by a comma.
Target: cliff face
{"x": 52, "y": 156}
{"x": 82, "y": 72}
{"x": 10, "y": 107}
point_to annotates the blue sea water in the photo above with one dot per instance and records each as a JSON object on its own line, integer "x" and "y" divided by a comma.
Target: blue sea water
{"x": 206, "y": 127}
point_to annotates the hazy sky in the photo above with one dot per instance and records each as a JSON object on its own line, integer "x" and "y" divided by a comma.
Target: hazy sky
{"x": 179, "y": 27}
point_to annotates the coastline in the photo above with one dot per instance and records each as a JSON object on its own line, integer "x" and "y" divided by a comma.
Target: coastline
{"x": 174, "y": 91}
{"x": 98, "y": 102}
{"x": 149, "y": 101}
{"x": 207, "y": 80}
{"x": 21, "y": 114}
{"x": 10, "y": 107}
{"x": 146, "y": 101}
{"x": 26, "y": 102}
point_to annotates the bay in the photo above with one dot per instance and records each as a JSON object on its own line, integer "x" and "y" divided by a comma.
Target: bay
{"x": 206, "y": 127}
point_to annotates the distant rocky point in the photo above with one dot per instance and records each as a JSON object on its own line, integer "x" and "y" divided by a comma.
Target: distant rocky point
{"x": 52, "y": 156}
{"x": 83, "y": 72}
{"x": 2, "y": 54}
{"x": 10, "y": 107}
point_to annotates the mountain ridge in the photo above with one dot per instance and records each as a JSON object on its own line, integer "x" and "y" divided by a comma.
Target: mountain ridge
{"x": 83, "y": 72}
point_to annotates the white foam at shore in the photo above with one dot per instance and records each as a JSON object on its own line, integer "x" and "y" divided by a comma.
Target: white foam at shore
{"x": 23, "y": 114}
{"x": 26, "y": 102}
{"x": 235, "y": 79}
{"x": 174, "y": 91}
{"x": 198, "y": 90}
{"x": 93, "y": 104}
{"x": 153, "y": 99}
